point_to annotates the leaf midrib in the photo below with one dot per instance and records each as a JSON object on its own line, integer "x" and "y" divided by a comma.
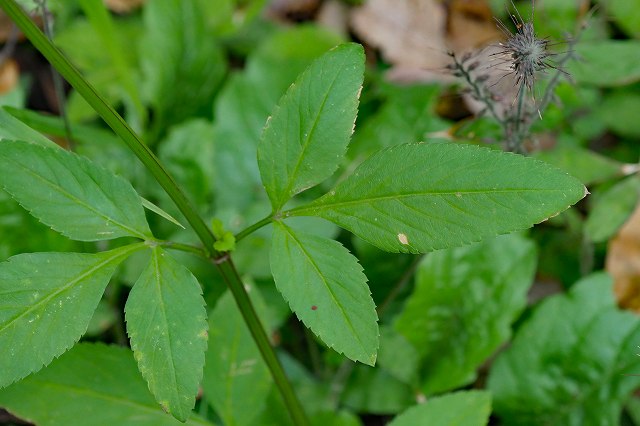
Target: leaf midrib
{"x": 61, "y": 190}
{"x": 333, "y": 297}
{"x": 320, "y": 205}
{"x": 109, "y": 397}
{"x": 307, "y": 142}
{"x": 72, "y": 283}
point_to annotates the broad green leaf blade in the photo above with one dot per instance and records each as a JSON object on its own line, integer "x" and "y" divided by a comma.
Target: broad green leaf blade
{"x": 236, "y": 379}
{"x": 246, "y": 100}
{"x": 587, "y": 166}
{"x": 397, "y": 356}
{"x": 612, "y": 209}
{"x": 167, "y": 326}
{"x": 626, "y": 13}
{"x": 181, "y": 61}
{"x": 12, "y": 128}
{"x": 573, "y": 362}
{"x": 596, "y": 67}
{"x": 46, "y": 303}
{"x": 469, "y": 408}
{"x": 407, "y": 114}
{"x": 461, "y": 310}
{"x": 420, "y": 197}
{"x": 373, "y": 390}
{"x": 92, "y": 384}
{"x": 71, "y": 194}
{"x": 307, "y": 136}
{"x": 324, "y": 285}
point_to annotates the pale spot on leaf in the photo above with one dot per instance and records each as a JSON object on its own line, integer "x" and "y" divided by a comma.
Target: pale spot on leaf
{"x": 403, "y": 239}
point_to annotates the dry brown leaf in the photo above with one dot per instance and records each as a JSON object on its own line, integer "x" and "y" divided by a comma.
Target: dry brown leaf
{"x": 623, "y": 263}
{"x": 334, "y": 14}
{"x": 9, "y": 76}
{"x": 123, "y": 6}
{"x": 415, "y": 35}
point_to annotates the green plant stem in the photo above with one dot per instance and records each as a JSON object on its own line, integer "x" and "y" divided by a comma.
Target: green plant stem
{"x": 250, "y": 229}
{"x": 257, "y": 331}
{"x": 150, "y": 161}
{"x": 183, "y": 247}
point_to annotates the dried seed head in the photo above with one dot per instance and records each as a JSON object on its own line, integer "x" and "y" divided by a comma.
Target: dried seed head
{"x": 529, "y": 54}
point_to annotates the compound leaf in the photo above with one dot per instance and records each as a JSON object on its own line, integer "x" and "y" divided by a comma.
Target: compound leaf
{"x": 307, "y": 136}
{"x": 46, "y": 303}
{"x": 421, "y": 197}
{"x": 91, "y": 384}
{"x": 326, "y": 288}
{"x": 166, "y": 322}
{"x": 71, "y": 194}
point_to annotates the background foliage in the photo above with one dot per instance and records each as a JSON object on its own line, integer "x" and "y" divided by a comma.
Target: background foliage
{"x": 535, "y": 327}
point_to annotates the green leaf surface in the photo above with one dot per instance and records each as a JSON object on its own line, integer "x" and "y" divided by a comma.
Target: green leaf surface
{"x": 421, "y": 197}
{"x": 188, "y": 154}
{"x": 246, "y": 101}
{"x": 93, "y": 385}
{"x": 12, "y": 128}
{"x": 71, "y": 194}
{"x": 619, "y": 112}
{"x": 470, "y": 408}
{"x": 236, "y": 379}
{"x": 587, "y": 166}
{"x": 324, "y": 285}
{"x": 407, "y": 115}
{"x": 626, "y": 13}
{"x": 612, "y": 209}
{"x": 157, "y": 210}
{"x": 597, "y": 66}
{"x": 306, "y": 138}
{"x": 397, "y": 356}
{"x": 182, "y": 63}
{"x": 46, "y": 303}
{"x": 464, "y": 302}
{"x": 373, "y": 390}
{"x": 167, "y": 326}
{"x": 573, "y": 362}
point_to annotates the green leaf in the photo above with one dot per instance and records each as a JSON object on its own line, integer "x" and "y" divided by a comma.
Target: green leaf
{"x": 157, "y": 210}
{"x": 167, "y": 326}
{"x": 421, "y": 197}
{"x": 182, "y": 63}
{"x": 464, "y": 302}
{"x": 573, "y": 362}
{"x": 324, "y": 285}
{"x": 373, "y": 390}
{"x": 91, "y": 384}
{"x": 46, "y": 303}
{"x": 397, "y": 356}
{"x": 246, "y": 100}
{"x": 71, "y": 194}
{"x": 13, "y": 128}
{"x": 619, "y": 112}
{"x": 626, "y": 13}
{"x": 470, "y": 408}
{"x": 597, "y": 67}
{"x": 408, "y": 114}
{"x": 307, "y": 136}
{"x": 612, "y": 209}
{"x": 188, "y": 154}
{"x": 588, "y": 166}
{"x": 236, "y": 379}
